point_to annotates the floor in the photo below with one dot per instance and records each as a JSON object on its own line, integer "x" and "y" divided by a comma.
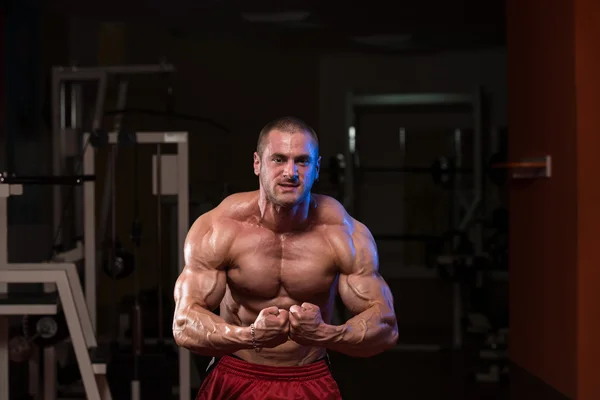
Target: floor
{"x": 415, "y": 376}
{"x": 407, "y": 375}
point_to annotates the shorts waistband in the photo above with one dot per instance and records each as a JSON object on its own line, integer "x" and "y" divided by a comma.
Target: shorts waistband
{"x": 318, "y": 369}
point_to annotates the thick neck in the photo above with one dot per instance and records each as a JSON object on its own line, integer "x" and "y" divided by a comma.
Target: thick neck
{"x": 283, "y": 219}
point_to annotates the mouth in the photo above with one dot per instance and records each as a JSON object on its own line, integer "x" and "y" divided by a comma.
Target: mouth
{"x": 288, "y": 186}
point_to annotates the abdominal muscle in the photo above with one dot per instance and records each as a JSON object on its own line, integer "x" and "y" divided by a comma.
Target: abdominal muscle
{"x": 289, "y": 353}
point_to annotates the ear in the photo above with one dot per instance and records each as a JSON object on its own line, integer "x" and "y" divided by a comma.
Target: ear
{"x": 318, "y": 167}
{"x": 256, "y": 164}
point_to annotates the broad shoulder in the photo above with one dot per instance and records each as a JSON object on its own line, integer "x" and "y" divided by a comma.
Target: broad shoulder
{"x": 224, "y": 219}
{"x": 237, "y": 207}
{"x": 349, "y": 238}
{"x": 334, "y": 217}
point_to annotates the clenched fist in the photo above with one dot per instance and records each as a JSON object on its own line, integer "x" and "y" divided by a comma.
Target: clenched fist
{"x": 306, "y": 324}
{"x": 271, "y": 327}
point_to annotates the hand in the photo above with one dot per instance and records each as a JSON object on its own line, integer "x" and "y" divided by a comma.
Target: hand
{"x": 271, "y": 327}
{"x": 306, "y": 324}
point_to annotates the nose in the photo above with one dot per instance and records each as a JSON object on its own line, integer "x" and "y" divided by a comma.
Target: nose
{"x": 291, "y": 170}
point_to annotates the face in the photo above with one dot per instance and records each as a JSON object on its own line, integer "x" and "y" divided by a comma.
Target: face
{"x": 288, "y": 167}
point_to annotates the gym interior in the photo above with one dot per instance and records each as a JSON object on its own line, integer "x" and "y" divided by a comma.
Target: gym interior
{"x": 461, "y": 133}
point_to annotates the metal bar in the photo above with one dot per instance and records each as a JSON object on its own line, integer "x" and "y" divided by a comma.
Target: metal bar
{"x": 82, "y": 312}
{"x": 76, "y": 72}
{"x": 47, "y": 180}
{"x": 349, "y": 134}
{"x": 478, "y": 174}
{"x": 411, "y": 99}
{"x": 77, "y": 338}
{"x": 183, "y": 225}
{"x": 407, "y": 237}
{"x": 159, "y": 236}
{"x": 456, "y": 315}
{"x": 89, "y": 231}
{"x": 49, "y": 374}
{"x": 28, "y": 309}
{"x": 100, "y": 99}
{"x": 4, "y": 321}
{"x": 415, "y": 170}
{"x": 57, "y": 153}
{"x": 39, "y": 269}
{"x": 121, "y": 103}
{"x": 153, "y": 137}
{"x": 110, "y": 165}
{"x": 76, "y": 127}
{"x": 4, "y": 358}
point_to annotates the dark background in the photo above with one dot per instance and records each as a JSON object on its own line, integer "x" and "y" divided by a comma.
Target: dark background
{"x": 234, "y": 74}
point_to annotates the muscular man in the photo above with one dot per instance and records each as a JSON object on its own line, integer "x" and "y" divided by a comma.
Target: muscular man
{"x": 274, "y": 260}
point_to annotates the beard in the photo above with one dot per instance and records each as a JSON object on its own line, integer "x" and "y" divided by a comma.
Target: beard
{"x": 284, "y": 199}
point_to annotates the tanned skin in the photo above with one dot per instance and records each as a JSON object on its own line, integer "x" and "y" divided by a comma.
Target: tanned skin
{"x": 277, "y": 258}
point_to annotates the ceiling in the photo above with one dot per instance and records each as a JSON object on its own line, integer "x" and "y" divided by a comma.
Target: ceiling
{"x": 372, "y": 25}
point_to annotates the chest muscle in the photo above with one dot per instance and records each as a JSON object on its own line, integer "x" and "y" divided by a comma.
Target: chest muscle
{"x": 266, "y": 265}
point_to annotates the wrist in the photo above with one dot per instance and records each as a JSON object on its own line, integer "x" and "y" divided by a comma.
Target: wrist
{"x": 246, "y": 336}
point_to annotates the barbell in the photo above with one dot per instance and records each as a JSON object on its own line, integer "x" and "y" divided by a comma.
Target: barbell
{"x": 442, "y": 170}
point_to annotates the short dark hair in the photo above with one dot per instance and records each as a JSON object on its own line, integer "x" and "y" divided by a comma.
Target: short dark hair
{"x": 285, "y": 124}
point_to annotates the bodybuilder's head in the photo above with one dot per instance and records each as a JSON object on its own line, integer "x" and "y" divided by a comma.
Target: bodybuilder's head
{"x": 287, "y": 160}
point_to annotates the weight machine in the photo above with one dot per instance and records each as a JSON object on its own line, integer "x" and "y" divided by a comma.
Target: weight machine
{"x": 170, "y": 175}
{"x": 69, "y": 297}
{"x": 165, "y": 168}
{"x": 460, "y": 204}
{"x": 68, "y": 116}
{"x": 77, "y": 307}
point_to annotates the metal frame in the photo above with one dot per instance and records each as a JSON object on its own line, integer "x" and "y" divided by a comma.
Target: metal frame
{"x": 473, "y": 100}
{"x": 68, "y": 120}
{"x": 183, "y": 222}
{"x": 64, "y": 276}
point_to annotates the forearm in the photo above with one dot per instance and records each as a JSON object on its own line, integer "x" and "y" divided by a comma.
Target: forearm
{"x": 206, "y": 333}
{"x": 366, "y": 334}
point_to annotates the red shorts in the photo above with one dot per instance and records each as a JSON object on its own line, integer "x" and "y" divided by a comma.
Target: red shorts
{"x": 233, "y": 378}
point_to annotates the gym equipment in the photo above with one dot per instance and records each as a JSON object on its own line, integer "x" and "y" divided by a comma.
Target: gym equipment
{"x": 39, "y": 331}
{"x": 70, "y": 295}
{"x": 13, "y": 179}
{"x": 45, "y": 330}
{"x": 68, "y": 84}
{"x": 46, "y": 324}
{"x": 465, "y": 205}
{"x": 118, "y": 263}
{"x": 442, "y": 170}
{"x": 356, "y": 102}
{"x": 173, "y": 180}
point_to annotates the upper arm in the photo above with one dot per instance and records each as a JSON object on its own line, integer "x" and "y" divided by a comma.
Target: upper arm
{"x": 360, "y": 284}
{"x": 203, "y": 279}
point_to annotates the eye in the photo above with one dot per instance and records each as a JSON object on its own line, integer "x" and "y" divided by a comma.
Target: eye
{"x": 277, "y": 159}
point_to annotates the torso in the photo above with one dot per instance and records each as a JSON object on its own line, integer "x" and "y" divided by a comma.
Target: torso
{"x": 272, "y": 269}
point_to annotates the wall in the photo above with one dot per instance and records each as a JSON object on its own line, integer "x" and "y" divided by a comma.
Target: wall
{"x": 587, "y": 82}
{"x": 544, "y": 233}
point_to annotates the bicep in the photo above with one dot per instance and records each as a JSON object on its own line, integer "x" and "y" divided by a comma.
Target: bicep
{"x": 203, "y": 280}
{"x": 360, "y": 285}
{"x": 200, "y": 285}
{"x": 362, "y": 291}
